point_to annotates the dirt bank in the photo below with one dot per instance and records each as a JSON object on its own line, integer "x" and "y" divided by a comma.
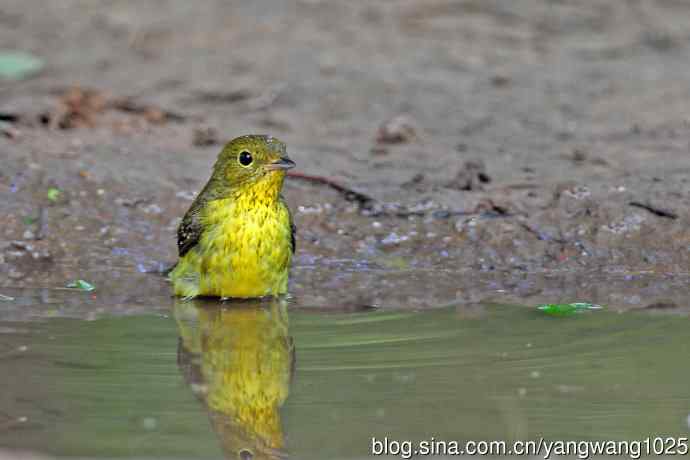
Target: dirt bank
{"x": 528, "y": 149}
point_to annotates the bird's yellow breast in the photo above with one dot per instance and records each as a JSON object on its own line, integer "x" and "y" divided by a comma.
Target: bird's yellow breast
{"x": 239, "y": 361}
{"x": 244, "y": 251}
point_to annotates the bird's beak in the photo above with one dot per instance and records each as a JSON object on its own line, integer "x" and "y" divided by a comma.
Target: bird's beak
{"x": 283, "y": 163}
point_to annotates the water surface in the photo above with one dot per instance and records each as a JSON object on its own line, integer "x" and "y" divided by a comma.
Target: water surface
{"x": 207, "y": 381}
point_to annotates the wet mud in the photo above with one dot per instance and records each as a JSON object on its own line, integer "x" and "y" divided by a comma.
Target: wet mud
{"x": 520, "y": 151}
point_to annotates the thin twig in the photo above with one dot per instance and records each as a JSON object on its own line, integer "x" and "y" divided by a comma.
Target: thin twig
{"x": 365, "y": 201}
{"x": 9, "y": 117}
{"x": 655, "y": 210}
{"x": 42, "y": 224}
{"x": 131, "y": 106}
{"x": 542, "y": 236}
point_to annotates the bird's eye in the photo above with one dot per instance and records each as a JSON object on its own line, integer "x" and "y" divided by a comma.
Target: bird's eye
{"x": 245, "y": 158}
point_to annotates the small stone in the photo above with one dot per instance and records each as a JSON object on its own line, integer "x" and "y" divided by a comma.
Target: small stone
{"x": 379, "y": 150}
{"x": 579, "y": 156}
{"x": 470, "y": 177}
{"x": 205, "y": 136}
{"x": 185, "y": 195}
{"x": 15, "y": 274}
{"x": 500, "y": 80}
{"x": 394, "y": 238}
{"x": 397, "y": 130}
{"x": 149, "y": 423}
{"x": 152, "y": 209}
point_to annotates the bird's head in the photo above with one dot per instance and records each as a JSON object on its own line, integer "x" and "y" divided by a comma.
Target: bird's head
{"x": 253, "y": 159}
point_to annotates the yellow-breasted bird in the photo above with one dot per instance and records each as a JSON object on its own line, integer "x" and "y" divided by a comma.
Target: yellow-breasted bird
{"x": 237, "y": 239}
{"x": 238, "y": 359}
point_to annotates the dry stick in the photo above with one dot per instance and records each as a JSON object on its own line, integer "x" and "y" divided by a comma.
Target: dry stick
{"x": 657, "y": 211}
{"x": 131, "y": 106}
{"x": 9, "y": 117}
{"x": 42, "y": 225}
{"x": 365, "y": 201}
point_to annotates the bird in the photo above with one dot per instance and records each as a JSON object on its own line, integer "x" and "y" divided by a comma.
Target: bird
{"x": 238, "y": 359}
{"x": 238, "y": 237}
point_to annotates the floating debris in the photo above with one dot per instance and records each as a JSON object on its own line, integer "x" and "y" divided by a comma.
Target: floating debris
{"x": 567, "y": 309}
{"x": 81, "y": 285}
{"x": 6, "y": 298}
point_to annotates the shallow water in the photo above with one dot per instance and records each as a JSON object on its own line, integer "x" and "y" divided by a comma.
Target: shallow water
{"x": 207, "y": 381}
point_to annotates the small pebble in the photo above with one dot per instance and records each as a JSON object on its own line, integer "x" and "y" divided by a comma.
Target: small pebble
{"x": 185, "y": 194}
{"x": 394, "y": 238}
{"x": 397, "y": 130}
{"x": 152, "y": 209}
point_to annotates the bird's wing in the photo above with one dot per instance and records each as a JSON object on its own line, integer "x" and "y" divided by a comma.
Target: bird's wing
{"x": 293, "y": 228}
{"x": 189, "y": 231}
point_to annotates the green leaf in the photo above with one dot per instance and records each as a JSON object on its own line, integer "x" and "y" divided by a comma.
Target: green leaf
{"x": 567, "y": 309}
{"x": 30, "y": 220}
{"x": 17, "y": 65}
{"x": 54, "y": 194}
{"x": 82, "y": 285}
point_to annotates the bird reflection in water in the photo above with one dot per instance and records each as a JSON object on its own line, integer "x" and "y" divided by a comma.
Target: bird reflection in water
{"x": 238, "y": 359}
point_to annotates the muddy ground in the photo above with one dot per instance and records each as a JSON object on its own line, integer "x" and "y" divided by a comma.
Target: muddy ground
{"x": 528, "y": 150}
